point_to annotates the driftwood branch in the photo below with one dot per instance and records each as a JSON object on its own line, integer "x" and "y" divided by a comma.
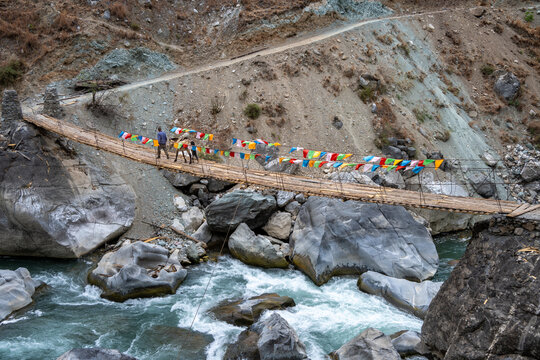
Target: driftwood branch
{"x": 179, "y": 232}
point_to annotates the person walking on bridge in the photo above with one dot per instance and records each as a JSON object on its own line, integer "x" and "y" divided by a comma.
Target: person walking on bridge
{"x": 162, "y": 143}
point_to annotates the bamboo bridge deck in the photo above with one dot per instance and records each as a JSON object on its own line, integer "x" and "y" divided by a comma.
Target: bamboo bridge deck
{"x": 280, "y": 181}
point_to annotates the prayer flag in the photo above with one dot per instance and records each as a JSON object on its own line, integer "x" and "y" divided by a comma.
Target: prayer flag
{"x": 231, "y": 154}
{"x": 414, "y": 163}
{"x": 340, "y": 156}
{"x": 311, "y": 162}
{"x": 421, "y": 163}
{"x": 267, "y": 158}
{"x": 375, "y": 159}
{"x": 234, "y": 141}
{"x": 216, "y": 151}
{"x": 375, "y": 167}
{"x": 176, "y": 145}
{"x": 292, "y": 150}
{"x": 139, "y": 137}
{"x": 417, "y": 169}
{"x": 207, "y": 151}
{"x": 397, "y": 161}
{"x": 121, "y": 133}
{"x": 252, "y": 146}
{"x": 206, "y": 136}
{"x": 310, "y": 154}
{"x": 321, "y": 163}
{"x": 383, "y": 161}
{"x": 368, "y": 158}
{"x": 305, "y": 163}
{"x": 174, "y": 129}
{"x": 405, "y": 162}
{"x": 198, "y": 148}
{"x": 389, "y": 161}
{"x": 438, "y": 163}
{"x": 401, "y": 167}
{"x": 156, "y": 143}
{"x": 428, "y": 161}
{"x": 211, "y": 137}
{"x": 358, "y": 166}
{"x": 337, "y": 164}
{"x": 242, "y": 155}
{"x": 347, "y": 156}
{"x": 221, "y": 153}
{"x": 306, "y": 152}
{"x": 145, "y": 140}
{"x": 252, "y": 156}
{"x": 391, "y": 167}
{"x": 333, "y": 157}
{"x": 126, "y": 136}
{"x": 323, "y": 154}
{"x": 226, "y": 153}
{"x": 367, "y": 167}
{"x": 316, "y": 155}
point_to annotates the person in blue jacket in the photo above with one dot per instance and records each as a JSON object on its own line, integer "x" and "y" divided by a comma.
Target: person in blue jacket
{"x": 162, "y": 143}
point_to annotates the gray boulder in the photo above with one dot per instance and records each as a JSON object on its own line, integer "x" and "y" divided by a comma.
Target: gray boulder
{"x": 255, "y": 250}
{"x": 137, "y": 270}
{"x": 278, "y": 340}
{"x": 94, "y": 354}
{"x": 215, "y": 185}
{"x": 371, "y": 344}
{"x": 407, "y": 295}
{"x": 238, "y": 207}
{"x": 190, "y": 221}
{"x": 279, "y": 225}
{"x": 284, "y": 197}
{"x": 482, "y": 184}
{"x": 55, "y": 205}
{"x": 351, "y": 177}
{"x": 507, "y": 86}
{"x": 180, "y": 179}
{"x": 245, "y": 312}
{"x": 16, "y": 290}
{"x": 293, "y": 208}
{"x": 490, "y": 302}
{"x": 203, "y": 233}
{"x": 531, "y": 171}
{"x": 391, "y": 179}
{"x": 408, "y": 343}
{"x": 332, "y": 237}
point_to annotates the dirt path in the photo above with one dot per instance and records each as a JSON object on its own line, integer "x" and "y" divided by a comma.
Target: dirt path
{"x": 270, "y": 51}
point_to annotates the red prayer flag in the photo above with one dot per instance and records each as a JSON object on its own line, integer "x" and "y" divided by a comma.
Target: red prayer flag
{"x": 382, "y": 162}
{"x": 333, "y": 157}
{"x": 358, "y": 166}
{"x": 305, "y": 153}
{"x": 322, "y": 163}
{"x": 231, "y": 154}
{"x": 207, "y": 151}
{"x": 421, "y": 163}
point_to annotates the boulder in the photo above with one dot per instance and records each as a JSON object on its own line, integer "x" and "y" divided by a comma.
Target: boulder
{"x": 490, "y": 302}
{"x": 271, "y": 338}
{"x": 179, "y": 179}
{"x": 181, "y": 203}
{"x": 279, "y": 225}
{"x": 94, "y": 354}
{"x": 293, "y": 208}
{"x": 507, "y": 86}
{"x": 245, "y": 312}
{"x": 391, "y": 179}
{"x": 351, "y": 177}
{"x": 284, "y": 197}
{"x": 408, "y": 343}
{"x": 407, "y": 295}
{"x": 203, "y": 233}
{"x": 16, "y": 290}
{"x": 278, "y": 340}
{"x": 192, "y": 219}
{"x": 183, "y": 343}
{"x": 52, "y": 205}
{"x": 531, "y": 171}
{"x": 255, "y": 250}
{"x": 332, "y": 237}
{"x": 137, "y": 270}
{"x": 482, "y": 184}
{"x": 237, "y": 207}
{"x": 215, "y": 185}
{"x": 371, "y": 344}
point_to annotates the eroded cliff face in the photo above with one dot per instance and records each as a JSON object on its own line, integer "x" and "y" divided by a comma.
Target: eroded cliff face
{"x": 55, "y": 204}
{"x": 489, "y": 307}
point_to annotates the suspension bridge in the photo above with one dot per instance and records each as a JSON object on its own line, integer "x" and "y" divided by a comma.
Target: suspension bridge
{"x": 286, "y": 182}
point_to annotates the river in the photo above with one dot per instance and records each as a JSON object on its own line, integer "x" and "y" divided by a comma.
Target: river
{"x": 71, "y": 313}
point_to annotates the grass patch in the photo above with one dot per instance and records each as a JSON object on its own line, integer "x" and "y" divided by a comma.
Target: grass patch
{"x": 217, "y": 104}
{"x": 134, "y": 26}
{"x": 252, "y": 111}
{"x": 367, "y": 94}
{"x": 11, "y": 72}
{"x": 422, "y": 115}
{"x": 487, "y": 69}
{"x": 529, "y": 17}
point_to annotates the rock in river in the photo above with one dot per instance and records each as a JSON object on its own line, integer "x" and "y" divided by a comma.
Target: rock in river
{"x": 137, "y": 270}
{"x": 408, "y": 295}
{"x": 52, "y": 203}
{"x": 255, "y": 250}
{"x": 332, "y": 237}
{"x": 371, "y": 344}
{"x": 16, "y": 290}
{"x": 94, "y": 354}
{"x": 490, "y": 304}
{"x": 271, "y": 338}
{"x": 238, "y": 207}
{"x": 245, "y": 312}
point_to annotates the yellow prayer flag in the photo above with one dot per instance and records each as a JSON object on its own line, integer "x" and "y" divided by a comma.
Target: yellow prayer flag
{"x": 176, "y": 145}
{"x": 198, "y": 148}
{"x": 438, "y": 163}
{"x": 280, "y": 160}
{"x": 211, "y": 137}
{"x": 221, "y": 152}
{"x": 252, "y": 146}
{"x": 347, "y": 156}
{"x": 311, "y": 162}
{"x": 397, "y": 162}
{"x": 156, "y": 144}
{"x": 317, "y": 154}
{"x": 343, "y": 165}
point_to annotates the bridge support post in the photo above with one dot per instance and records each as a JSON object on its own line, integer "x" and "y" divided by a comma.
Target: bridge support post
{"x": 11, "y": 109}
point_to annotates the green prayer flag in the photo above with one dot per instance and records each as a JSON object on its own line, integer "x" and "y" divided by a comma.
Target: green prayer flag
{"x": 206, "y": 137}
{"x": 389, "y": 161}
{"x": 226, "y": 153}
{"x": 310, "y": 154}
{"x": 340, "y": 157}
{"x": 317, "y": 163}
{"x": 252, "y": 156}
{"x": 429, "y": 161}
{"x": 391, "y": 167}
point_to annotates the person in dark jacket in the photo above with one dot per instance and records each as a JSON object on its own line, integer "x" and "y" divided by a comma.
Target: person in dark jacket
{"x": 162, "y": 143}
{"x": 194, "y": 153}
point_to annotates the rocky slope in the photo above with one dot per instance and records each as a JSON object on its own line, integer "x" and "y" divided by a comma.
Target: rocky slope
{"x": 488, "y": 308}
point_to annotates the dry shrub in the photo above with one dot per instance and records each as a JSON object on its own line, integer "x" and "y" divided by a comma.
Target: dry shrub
{"x": 19, "y": 26}
{"x": 119, "y": 9}
{"x": 386, "y": 126}
{"x": 65, "y": 22}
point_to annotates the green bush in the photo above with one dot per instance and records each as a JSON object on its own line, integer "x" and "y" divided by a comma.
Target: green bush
{"x": 134, "y": 26}
{"x": 252, "y": 111}
{"x": 422, "y": 115}
{"x": 367, "y": 94}
{"x": 487, "y": 69}
{"x": 10, "y": 73}
{"x": 529, "y": 17}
